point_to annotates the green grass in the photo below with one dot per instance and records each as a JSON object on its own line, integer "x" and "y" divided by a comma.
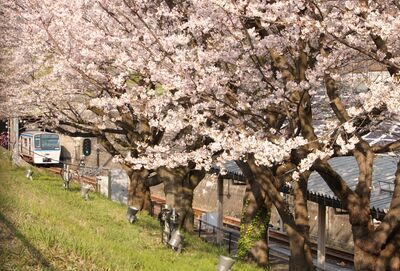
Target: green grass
{"x": 44, "y": 227}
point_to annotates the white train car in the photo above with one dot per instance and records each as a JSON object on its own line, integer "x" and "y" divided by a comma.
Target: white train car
{"x": 40, "y": 147}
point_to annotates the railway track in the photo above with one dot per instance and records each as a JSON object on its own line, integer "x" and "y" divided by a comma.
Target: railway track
{"x": 80, "y": 179}
{"x": 276, "y": 236}
{"x": 234, "y": 224}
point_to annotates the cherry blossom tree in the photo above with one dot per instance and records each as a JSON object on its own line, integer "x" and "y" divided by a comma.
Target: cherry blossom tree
{"x": 85, "y": 90}
{"x": 278, "y": 86}
{"x": 261, "y": 65}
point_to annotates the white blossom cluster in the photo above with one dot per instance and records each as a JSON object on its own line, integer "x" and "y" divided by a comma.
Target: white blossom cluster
{"x": 222, "y": 68}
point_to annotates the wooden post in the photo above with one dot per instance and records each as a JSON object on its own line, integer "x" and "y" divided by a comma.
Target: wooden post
{"x": 109, "y": 185}
{"x": 321, "y": 235}
{"x": 220, "y": 207}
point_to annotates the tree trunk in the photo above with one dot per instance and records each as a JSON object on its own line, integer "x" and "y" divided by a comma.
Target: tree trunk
{"x": 172, "y": 179}
{"x": 362, "y": 228}
{"x": 300, "y": 253}
{"x": 359, "y": 213}
{"x": 362, "y": 259}
{"x": 301, "y": 256}
{"x": 253, "y": 242}
{"x": 138, "y": 193}
{"x": 190, "y": 182}
{"x": 394, "y": 263}
{"x": 297, "y": 227}
{"x": 179, "y": 184}
{"x": 386, "y": 258}
{"x": 373, "y": 249}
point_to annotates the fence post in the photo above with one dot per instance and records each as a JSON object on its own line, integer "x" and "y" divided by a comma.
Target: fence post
{"x": 230, "y": 240}
{"x": 199, "y": 227}
{"x": 109, "y": 185}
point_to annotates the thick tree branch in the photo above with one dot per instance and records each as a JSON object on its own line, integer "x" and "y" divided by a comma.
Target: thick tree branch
{"x": 390, "y": 147}
{"x": 336, "y": 184}
{"x": 391, "y": 221}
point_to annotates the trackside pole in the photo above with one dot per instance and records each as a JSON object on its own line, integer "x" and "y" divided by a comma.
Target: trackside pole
{"x": 321, "y": 235}
{"x": 220, "y": 207}
{"x": 15, "y": 136}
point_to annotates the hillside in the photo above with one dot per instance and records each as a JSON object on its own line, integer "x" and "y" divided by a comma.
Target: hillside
{"x": 44, "y": 227}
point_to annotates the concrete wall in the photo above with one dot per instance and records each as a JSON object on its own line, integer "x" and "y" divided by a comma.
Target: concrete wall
{"x": 205, "y": 196}
{"x": 71, "y": 152}
{"x": 119, "y": 185}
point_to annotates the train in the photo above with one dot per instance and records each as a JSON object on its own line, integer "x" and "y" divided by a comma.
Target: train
{"x": 40, "y": 147}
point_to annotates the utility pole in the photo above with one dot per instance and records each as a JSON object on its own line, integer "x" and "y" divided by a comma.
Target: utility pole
{"x": 14, "y": 135}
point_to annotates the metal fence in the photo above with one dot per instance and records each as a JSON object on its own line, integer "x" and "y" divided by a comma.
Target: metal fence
{"x": 209, "y": 232}
{"x": 4, "y": 140}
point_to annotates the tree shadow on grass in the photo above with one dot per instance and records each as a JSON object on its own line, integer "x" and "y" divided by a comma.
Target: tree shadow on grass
{"x": 35, "y": 253}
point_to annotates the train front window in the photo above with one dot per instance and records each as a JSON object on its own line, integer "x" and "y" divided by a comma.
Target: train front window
{"x": 37, "y": 142}
{"x": 49, "y": 142}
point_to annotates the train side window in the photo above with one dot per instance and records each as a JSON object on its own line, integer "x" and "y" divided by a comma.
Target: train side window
{"x": 25, "y": 142}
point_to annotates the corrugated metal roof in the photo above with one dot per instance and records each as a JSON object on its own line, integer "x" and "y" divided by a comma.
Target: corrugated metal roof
{"x": 383, "y": 181}
{"x": 231, "y": 171}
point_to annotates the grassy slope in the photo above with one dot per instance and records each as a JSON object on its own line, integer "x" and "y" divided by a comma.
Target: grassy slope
{"x": 43, "y": 227}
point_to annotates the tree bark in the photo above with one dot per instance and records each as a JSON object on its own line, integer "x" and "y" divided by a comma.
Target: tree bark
{"x": 299, "y": 236}
{"x": 374, "y": 249}
{"x": 253, "y": 242}
{"x": 138, "y": 192}
{"x": 179, "y": 185}
{"x": 190, "y": 182}
{"x": 296, "y": 226}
